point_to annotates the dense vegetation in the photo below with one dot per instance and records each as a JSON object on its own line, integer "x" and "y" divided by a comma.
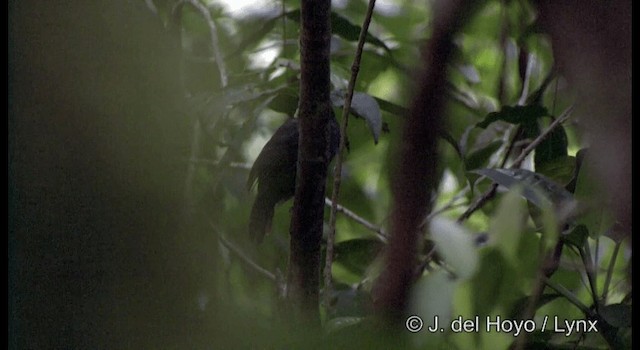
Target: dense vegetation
{"x": 521, "y": 228}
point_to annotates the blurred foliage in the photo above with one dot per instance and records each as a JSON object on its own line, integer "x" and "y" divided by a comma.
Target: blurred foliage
{"x": 503, "y": 93}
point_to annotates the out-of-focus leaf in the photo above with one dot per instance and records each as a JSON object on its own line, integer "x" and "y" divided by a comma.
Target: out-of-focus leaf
{"x": 356, "y": 254}
{"x": 587, "y": 190}
{"x": 533, "y": 185}
{"x": 515, "y": 115}
{"x": 456, "y": 245}
{"x": 507, "y": 224}
{"x": 470, "y": 73}
{"x": 488, "y": 282}
{"x": 553, "y": 147}
{"x": 431, "y": 296}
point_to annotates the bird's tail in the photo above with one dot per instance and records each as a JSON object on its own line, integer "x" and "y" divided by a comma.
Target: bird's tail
{"x": 260, "y": 219}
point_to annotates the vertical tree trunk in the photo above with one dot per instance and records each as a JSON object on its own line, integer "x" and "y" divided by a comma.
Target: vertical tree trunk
{"x": 314, "y": 113}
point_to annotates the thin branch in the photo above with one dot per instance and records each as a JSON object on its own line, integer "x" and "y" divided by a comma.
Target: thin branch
{"x": 261, "y": 270}
{"x": 337, "y": 174}
{"x": 525, "y": 152}
{"x": 569, "y": 296}
{"x": 612, "y": 263}
{"x": 561, "y": 119}
{"x": 585, "y": 254}
{"x": 379, "y": 231}
{"x": 213, "y": 33}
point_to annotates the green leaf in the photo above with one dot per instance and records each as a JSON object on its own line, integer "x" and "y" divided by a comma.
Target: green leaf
{"x": 515, "y": 115}
{"x": 456, "y": 245}
{"x": 560, "y": 170}
{"x": 488, "y": 282}
{"x": 432, "y": 296}
{"x": 356, "y": 254}
{"x": 363, "y": 106}
{"x": 507, "y": 224}
{"x": 553, "y": 147}
{"x": 286, "y": 102}
{"x": 536, "y": 188}
{"x": 481, "y": 156}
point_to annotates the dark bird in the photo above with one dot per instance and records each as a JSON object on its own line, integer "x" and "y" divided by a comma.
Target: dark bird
{"x": 275, "y": 172}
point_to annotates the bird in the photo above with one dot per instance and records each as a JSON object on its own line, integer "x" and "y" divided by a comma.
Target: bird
{"x": 275, "y": 173}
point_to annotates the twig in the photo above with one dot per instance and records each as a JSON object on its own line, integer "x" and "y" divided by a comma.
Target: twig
{"x": 612, "y": 263}
{"x": 525, "y": 152}
{"x": 379, "y": 231}
{"x": 585, "y": 254}
{"x": 561, "y": 119}
{"x": 213, "y": 33}
{"x": 569, "y": 296}
{"x": 261, "y": 270}
{"x": 337, "y": 174}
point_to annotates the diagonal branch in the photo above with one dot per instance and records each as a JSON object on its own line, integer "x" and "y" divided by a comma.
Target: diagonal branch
{"x": 525, "y": 152}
